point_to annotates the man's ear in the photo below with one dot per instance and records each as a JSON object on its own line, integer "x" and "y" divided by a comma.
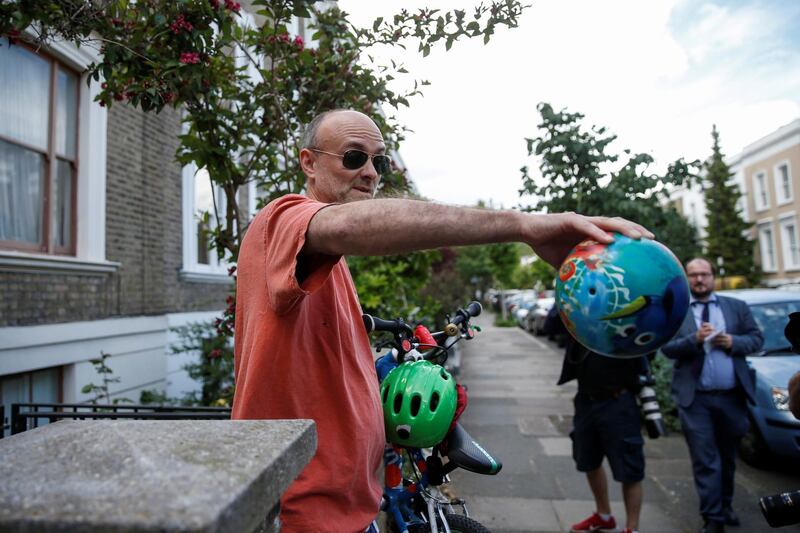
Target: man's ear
{"x": 308, "y": 163}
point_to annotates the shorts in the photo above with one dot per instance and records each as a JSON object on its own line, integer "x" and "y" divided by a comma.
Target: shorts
{"x": 609, "y": 428}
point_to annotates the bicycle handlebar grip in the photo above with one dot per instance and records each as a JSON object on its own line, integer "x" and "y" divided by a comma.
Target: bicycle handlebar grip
{"x": 474, "y": 309}
{"x": 373, "y": 323}
{"x": 369, "y": 322}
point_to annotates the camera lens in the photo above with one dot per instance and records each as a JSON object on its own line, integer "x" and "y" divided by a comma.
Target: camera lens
{"x": 781, "y": 509}
{"x": 653, "y": 420}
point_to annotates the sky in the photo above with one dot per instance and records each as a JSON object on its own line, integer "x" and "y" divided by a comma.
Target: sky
{"x": 657, "y": 73}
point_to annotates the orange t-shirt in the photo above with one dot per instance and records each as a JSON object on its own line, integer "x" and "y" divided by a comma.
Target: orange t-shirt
{"x": 301, "y": 351}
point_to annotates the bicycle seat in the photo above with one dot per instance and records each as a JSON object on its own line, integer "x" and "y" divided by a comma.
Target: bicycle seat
{"x": 465, "y": 453}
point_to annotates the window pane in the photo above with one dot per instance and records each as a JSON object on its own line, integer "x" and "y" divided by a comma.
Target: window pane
{"x": 21, "y": 194}
{"x": 24, "y": 97}
{"x": 62, "y": 205}
{"x": 66, "y": 113}
{"x": 203, "y": 203}
{"x": 784, "y": 170}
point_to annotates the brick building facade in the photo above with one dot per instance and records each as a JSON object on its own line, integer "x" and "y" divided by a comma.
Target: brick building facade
{"x": 129, "y": 273}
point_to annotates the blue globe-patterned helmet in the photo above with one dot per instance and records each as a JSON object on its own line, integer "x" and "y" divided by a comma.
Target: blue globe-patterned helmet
{"x": 624, "y": 299}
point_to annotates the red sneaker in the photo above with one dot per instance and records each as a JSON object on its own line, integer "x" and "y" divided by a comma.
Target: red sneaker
{"x": 595, "y": 523}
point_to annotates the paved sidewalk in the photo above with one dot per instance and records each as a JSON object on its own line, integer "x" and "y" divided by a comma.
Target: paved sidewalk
{"x": 517, "y": 412}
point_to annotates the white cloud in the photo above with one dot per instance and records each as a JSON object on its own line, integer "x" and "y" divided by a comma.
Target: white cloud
{"x": 618, "y": 62}
{"x": 720, "y": 29}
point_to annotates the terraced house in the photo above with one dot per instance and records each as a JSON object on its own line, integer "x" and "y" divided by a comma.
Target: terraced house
{"x": 767, "y": 172}
{"x": 100, "y": 245}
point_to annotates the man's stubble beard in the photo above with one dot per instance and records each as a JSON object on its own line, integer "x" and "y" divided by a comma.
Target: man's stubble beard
{"x": 700, "y": 295}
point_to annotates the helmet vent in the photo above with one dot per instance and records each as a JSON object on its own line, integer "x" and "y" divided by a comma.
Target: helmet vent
{"x": 415, "y": 403}
{"x": 444, "y": 374}
{"x": 592, "y": 291}
{"x": 398, "y": 402}
{"x": 434, "y": 401}
{"x": 403, "y": 433}
{"x": 385, "y": 393}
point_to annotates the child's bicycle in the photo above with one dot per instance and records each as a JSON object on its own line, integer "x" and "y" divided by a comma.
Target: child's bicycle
{"x": 412, "y": 498}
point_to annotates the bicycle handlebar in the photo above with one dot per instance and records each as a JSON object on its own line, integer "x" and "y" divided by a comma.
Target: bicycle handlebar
{"x": 373, "y": 323}
{"x": 397, "y": 327}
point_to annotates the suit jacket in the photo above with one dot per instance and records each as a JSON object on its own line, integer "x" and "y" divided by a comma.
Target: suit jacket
{"x": 690, "y": 356}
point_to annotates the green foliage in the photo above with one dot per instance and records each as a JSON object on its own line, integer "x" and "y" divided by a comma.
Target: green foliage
{"x": 580, "y": 174}
{"x": 246, "y": 91}
{"x": 538, "y": 275}
{"x": 727, "y": 230}
{"x": 501, "y": 322}
{"x": 101, "y": 392}
{"x": 391, "y": 286}
{"x": 446, "y": 288}
{"x": 489, "y": 265}
{"x": 214, "y": 367}
{"x": 661, "y": 368}
{"x": 156, "y": 397}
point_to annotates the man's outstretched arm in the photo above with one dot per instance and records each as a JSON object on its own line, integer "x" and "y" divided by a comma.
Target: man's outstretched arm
{"x": 395, "y": 226}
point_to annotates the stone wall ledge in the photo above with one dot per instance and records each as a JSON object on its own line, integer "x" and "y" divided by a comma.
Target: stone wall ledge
{"x": 146, "y": 476}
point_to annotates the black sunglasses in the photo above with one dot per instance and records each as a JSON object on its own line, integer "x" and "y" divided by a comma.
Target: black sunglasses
{"x": 355, "y": 159}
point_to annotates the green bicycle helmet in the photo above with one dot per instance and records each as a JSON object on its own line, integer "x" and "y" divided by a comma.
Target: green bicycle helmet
{"x": 419, "y": 401}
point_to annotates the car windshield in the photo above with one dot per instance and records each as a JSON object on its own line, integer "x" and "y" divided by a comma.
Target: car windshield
{"x": 772, "y": 319}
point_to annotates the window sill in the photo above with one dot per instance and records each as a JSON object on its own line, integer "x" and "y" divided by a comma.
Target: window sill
{"x": 193, "y": 276}
{"x": 54, "y": 264}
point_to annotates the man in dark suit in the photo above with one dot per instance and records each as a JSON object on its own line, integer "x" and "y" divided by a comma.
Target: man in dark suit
{"x": 711, "y": 385}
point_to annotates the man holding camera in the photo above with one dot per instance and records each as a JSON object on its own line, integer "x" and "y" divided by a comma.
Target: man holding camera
{"x": 711, "y": 383}
{"x": 607, "y": 424}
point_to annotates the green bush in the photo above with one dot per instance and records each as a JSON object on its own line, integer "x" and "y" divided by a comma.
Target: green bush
{"x": 501, "y": 322}
{"x": 662, "y": 372}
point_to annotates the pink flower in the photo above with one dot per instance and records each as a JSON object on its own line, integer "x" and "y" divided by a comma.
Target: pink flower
{"x": 190, "y": 58}
{"x": 298, "y": 42}
{"x": 213, "y": 354}
{"x": 233, "y": 6}
{"x": 180, "y": 24}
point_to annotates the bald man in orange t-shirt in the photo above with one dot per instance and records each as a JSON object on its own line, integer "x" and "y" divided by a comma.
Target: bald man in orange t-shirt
{"x": 301, "y": 350}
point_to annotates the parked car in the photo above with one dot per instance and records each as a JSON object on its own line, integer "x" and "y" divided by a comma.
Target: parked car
{"x": 526, "y": 304}
{"x": 502, "y": 296}
{"x": 513, "y": 301}
{"x": 774, "y": 431}
{"x": 534, "y": 321}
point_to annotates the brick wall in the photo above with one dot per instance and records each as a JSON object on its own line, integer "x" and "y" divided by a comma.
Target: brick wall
{"x": 143, "y": 233}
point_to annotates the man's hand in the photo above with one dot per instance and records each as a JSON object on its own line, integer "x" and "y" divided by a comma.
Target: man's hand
{"x": 794, "y": 395}
{"x": 723, "y": 340}
{"x": 553, "y": 236}
{"x": 705, "y": 331}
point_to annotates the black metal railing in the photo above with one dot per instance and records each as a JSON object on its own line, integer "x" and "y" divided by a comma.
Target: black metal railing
{"x": 25, "y": 416}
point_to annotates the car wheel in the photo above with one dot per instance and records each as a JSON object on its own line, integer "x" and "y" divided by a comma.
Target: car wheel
{"x": 753, "y": 449}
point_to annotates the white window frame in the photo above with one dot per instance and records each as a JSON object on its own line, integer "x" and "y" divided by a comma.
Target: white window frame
{"x": 90, "y": 242}
{"x": 780, "y": 198}
{"x": 790, "y": 261}
{"x": 215, "y": 271}
{"x": 761, "y": 190}
{"x": 768, "y": 264}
